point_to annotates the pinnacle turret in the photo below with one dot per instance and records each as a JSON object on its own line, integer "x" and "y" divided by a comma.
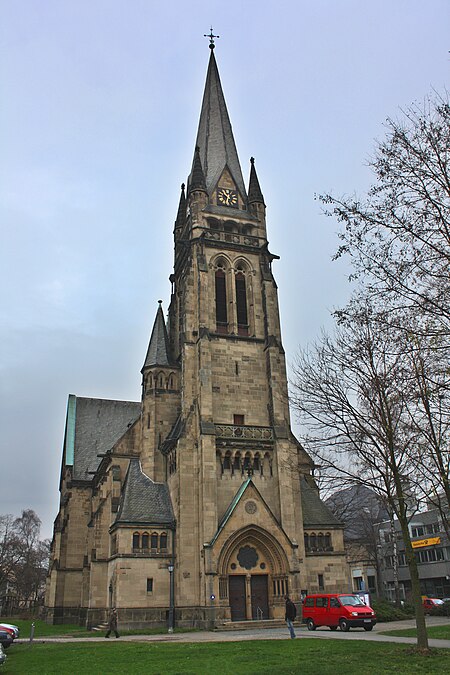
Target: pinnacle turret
{"x": 254, "y": 190}
{"x": 158, "y": 353}
{"x": 197, "y": 181}
{"x": 181, "y": 215}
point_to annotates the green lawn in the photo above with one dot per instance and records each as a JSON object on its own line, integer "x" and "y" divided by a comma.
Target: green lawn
{"x": 304, "y": 656}
{"x": 43, "y": 629}
{"x": 437, "y": 632}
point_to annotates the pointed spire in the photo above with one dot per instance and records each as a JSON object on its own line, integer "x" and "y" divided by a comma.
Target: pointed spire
{"x": 215, "y": 140}
{"x": 181, "y": 215}
{"x": 197, "y": 176}
{"x": 158, "y": 348}
{"x": 254, "y": 190}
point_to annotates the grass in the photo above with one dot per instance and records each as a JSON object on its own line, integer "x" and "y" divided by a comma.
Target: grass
{"x": 43, "y": 629}
{"x": 304, "y": 656}
{"x": 437, "y": 632}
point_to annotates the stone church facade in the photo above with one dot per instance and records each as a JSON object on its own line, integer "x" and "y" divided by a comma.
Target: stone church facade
{"x": 203, "y": 476}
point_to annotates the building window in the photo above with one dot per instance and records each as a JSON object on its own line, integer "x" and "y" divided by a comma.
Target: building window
{"x": 145, "y": 540}
{"x": 241, "y": 304}
{"x": 163, "y": 541}
{"x": 221, "y": 302}
{"x": 238, "y": 420}
{"x": 417, "y": 530}
{"x": 136, "y": 540}
{"x": 149, "y": 585}
{"x": 154, "y": 540}
{"x": 358, "y": 583}
{"x": 320, "y": 582}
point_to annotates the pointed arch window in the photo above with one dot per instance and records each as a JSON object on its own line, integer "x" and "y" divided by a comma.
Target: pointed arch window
{"x": 154, "y": 540}
{"x": 241, "y": 304}
{"x": 221, "y": 302}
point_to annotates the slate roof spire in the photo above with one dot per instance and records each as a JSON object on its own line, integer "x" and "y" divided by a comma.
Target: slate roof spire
{"x": 254, "y": 190}
{"x": 158, "y": 353}
{"x": 215, "y": 140}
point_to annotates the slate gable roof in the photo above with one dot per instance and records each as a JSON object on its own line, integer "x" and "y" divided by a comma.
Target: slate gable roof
{"x": 98, "y": 425}
{"x": 315, "y": 512}
{"x": 143, "y": 501}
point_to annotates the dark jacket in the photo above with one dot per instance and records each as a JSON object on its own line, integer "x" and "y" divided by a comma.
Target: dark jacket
{"x": 112, "y": 623}
{"x": 291, "y": 610}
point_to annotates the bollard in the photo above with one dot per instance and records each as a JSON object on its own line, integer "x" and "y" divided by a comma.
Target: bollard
{"x": 32, "y": 633}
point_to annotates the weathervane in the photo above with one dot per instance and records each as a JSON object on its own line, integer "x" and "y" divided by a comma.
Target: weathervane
{"x": 211, "y": 38}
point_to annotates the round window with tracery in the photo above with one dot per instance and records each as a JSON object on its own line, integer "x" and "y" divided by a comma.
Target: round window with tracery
{"x": 250, "y": 507}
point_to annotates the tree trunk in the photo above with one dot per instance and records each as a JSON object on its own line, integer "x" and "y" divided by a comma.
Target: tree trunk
{"x": 422, "y": 635}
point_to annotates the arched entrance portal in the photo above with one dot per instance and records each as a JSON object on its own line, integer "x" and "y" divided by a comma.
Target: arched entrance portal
{"x": 253, "y": 570}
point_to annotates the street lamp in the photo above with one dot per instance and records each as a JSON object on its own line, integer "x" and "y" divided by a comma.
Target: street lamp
{"x": 170, "y": 567}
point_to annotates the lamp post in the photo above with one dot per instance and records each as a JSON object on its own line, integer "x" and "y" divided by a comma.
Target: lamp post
{"x": 170, "y": 567}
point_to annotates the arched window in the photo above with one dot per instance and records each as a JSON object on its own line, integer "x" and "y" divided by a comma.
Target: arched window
{"x": 145, "y": 540}
{"x": 241, "y": 304}
{"x": 320, "y": 541}
{"x": 154, "y": 540}
{"x": 237, "y": 462}
{"x": 306, "y": 537}
{"x": 136, "y": 540}
{"x": 313, "y": 541}
{"x": 163, "y": 540}
{"x": 227, "y": 460}
{"x": 221, "y": 302}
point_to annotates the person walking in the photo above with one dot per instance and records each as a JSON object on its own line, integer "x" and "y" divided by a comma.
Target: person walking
{"x": 290, "y": 614}
{"x": 112, "y": 623}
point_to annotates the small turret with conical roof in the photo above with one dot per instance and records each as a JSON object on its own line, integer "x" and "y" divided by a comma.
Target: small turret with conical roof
{"x": 160, "y": 397}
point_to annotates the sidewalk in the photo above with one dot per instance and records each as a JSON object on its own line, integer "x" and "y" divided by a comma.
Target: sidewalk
{"x": 272, "y": 634}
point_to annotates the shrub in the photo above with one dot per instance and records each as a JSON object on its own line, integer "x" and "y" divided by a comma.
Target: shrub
{"x": 386, "y": 611}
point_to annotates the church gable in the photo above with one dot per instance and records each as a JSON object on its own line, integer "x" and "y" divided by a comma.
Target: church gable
{"x": 248, "y": 508}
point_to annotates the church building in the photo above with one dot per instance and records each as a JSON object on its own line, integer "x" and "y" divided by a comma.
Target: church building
{"x": 197, "y": 505}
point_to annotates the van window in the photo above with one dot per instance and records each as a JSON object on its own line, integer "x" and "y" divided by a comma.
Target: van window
{"x": 321, "y": 602}
{"x": 309, "y": 602}
{"x": 334, "y": 602}
{"x": 351, "y": 600}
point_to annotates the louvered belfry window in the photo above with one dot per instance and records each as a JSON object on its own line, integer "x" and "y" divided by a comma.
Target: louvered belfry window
{"x": 241, "y": 304}
{"x": 221, "y": 302}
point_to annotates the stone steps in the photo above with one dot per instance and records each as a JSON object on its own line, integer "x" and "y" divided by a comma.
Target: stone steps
{"x": 251, "y": 625}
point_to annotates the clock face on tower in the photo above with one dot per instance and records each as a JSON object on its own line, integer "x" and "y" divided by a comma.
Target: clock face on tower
{"x": 227, "y": 197}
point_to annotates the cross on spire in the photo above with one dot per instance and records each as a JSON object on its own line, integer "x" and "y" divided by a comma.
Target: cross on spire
{"x": 211, "y": 37}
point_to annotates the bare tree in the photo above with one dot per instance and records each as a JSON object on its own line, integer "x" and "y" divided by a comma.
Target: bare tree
{"x": 349, "y": 392}
{"x": 398, "y": 238}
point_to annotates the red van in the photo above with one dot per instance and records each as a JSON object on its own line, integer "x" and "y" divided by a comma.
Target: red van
{"x": 345, "y": 610}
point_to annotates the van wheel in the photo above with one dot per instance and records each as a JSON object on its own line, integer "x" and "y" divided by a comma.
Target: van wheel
{"x": 310, "y": 624}
{"x": 333, "y": 627}
{"x": 368, "y": 627}
{"x": 344, "y": 626}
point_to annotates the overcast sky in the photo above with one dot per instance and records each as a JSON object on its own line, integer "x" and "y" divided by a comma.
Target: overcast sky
{"x": 99, "y": 113}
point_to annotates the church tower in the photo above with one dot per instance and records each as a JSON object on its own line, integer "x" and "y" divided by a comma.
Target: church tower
{"x": 203, "y": 480}
{"x": 234, "y": 465}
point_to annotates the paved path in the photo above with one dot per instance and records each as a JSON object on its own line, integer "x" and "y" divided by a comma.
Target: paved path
{"x": 272, "y": 634}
